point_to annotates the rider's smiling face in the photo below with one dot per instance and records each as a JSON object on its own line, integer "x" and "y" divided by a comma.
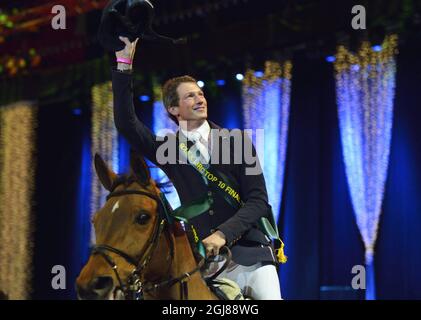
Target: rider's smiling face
{"x": 192, "y": 103}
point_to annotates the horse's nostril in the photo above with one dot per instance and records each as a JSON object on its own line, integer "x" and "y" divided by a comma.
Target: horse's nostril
{"x": 82, "y": 293}
{"x": 98, "y": 289}
{"x": 102, "y": 284}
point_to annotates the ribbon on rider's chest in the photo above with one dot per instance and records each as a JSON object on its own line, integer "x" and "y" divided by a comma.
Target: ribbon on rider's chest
{"x": 214, "y": 146}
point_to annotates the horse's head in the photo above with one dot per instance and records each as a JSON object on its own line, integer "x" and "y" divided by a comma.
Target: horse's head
{"x": 126, "y": 228}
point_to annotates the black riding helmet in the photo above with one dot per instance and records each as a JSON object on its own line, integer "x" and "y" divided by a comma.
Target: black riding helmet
{"x": 132, "y": 19}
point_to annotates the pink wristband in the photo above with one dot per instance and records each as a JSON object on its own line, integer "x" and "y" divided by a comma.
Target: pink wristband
{"x": 124, "y": 60}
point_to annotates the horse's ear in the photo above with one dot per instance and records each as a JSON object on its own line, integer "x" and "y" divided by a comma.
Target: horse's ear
{"x": 105, "y": 175}
{"x": 139, "y": 167}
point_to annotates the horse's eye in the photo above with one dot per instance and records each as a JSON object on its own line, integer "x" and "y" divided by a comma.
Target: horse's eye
{"x": 142, "y": 218}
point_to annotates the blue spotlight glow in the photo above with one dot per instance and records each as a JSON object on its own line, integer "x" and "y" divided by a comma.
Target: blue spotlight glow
{"x": 330, "y": 59}
{"x": 163, "y": 125}
{"x": 82, "y": 225}
{"x": 259, "y": 74}
{"x": 77, "y": 111}
{"x": 123, "y": 155}
{"x": 377, "y": 48}
{"x": 220, "y": 83}
{"x": 144, "y": 98}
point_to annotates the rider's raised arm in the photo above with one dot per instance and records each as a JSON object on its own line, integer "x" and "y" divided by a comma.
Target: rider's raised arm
{"x": 140, "y": 137}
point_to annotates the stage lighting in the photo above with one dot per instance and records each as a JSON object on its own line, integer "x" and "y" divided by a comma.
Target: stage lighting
{"x": 200, "y": 83}
{"x": 220, "y": 82}
{"x": 239, "y": 76}
{"x": 18, "y": 123}
{"x": 365, "y": 89}
{"x": 266, "y": 102}
{"x": 377, "y": 48}
{"x": 330, "y": 58}
{"x": 144, "y": 98}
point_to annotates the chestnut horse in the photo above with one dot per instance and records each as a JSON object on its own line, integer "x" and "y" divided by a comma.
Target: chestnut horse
{"x": 138, "y": 252}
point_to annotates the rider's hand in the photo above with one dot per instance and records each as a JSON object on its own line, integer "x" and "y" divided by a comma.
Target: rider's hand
{"x": 127, "y": 53}
{"x": 213, "y": 243}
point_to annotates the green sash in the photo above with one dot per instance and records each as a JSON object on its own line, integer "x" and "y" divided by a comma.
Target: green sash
{"x": 225, "y": 188}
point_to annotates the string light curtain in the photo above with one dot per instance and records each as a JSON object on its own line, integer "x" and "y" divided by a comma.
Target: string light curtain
{"x": 266, "y": 105}
{"x": 104, "y": 139}
{"x": 17, "y": 165}
{"x": 162, "y": 125}
{"x": 365, "y": 86}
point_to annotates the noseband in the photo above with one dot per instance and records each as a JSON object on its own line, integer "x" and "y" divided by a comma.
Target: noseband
{"x": 133, "y": 289}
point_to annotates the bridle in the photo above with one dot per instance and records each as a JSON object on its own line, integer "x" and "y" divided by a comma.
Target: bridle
{"x": 133, "y": 289}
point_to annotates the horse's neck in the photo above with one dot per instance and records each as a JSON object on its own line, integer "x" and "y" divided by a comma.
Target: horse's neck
{"x": 183, "y": 261}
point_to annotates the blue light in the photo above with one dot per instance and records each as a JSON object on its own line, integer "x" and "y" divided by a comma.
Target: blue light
{"x": 220, "y": 83}
{"x": 82, "y": 225}
{"x": 123, "y": 155}
{"x": 161, "y": 126}
{"x": 330, "y": 59}
{"x": 144, "y": 98}
{"x": 231, "y": 115}
{"x": 266, "y": 106}
{"x": 239, "y": 77}
{"x": 365, "y": 112}
{"x": 259, "y": 74}
{"x": 377, "y": 48}
{"x": 200, "y": 83}
{"x": 77, "y": 111}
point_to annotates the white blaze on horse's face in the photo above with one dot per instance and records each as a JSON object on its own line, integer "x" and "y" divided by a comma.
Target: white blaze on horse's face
{"x": 115, "y": 207}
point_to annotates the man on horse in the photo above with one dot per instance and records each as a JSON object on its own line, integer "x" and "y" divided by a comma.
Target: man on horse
{"x": 236, "y": 196}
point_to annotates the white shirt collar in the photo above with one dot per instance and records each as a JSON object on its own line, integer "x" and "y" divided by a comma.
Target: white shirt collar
{"x": 203, "y": 130}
